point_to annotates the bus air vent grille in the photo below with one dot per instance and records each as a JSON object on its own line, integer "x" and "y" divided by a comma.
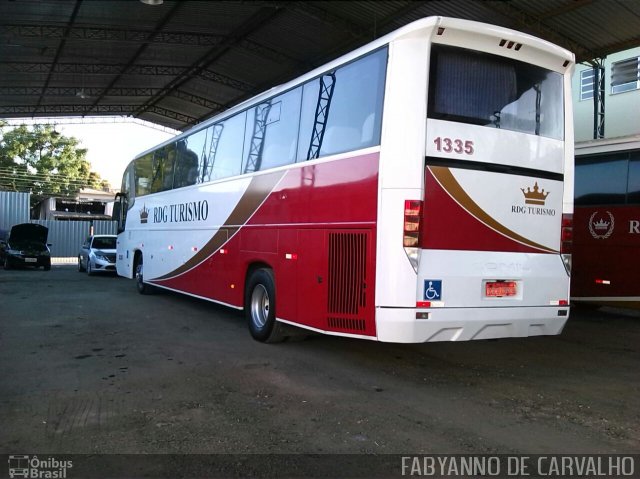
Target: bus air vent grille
{"x": 347, "y": 324}
{"x": 347, "y": 296}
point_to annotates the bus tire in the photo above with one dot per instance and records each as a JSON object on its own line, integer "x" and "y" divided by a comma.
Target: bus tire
{"x": 141, "y": 286}
{"x": 260, "y": 307}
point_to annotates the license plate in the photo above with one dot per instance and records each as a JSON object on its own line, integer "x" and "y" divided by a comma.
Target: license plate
{"x": 31, "y": 260}
{"x": 500, "y": 289}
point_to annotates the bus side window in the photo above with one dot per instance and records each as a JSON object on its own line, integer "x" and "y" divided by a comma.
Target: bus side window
{"x": 143, "y": 174}
{"x": 226, "y": 155}
{"x": 195, "y": 146}
{"x": 356, "y": 107}
{"x": 168, "y": 167}
{"x": 162, "y": 166}
{"x": 310, "y": 100}
{"x": 348, "y": 105}
{"x": 271, "y": 133}
{"x": 186, "y": 169}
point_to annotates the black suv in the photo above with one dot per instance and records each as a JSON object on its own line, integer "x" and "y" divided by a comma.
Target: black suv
{"x": 26, "y": 246}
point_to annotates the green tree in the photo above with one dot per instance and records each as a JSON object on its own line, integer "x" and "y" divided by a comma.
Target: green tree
{"x": 97, "y": 182}
{"x": 40, "y": 160}
{"x": 94, "y": 180}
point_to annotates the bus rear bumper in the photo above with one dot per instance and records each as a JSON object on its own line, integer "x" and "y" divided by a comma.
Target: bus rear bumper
{"x": 399, "y": 325}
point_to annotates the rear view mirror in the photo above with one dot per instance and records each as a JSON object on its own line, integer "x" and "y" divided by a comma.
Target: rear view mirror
{"x": 115, "y": 215}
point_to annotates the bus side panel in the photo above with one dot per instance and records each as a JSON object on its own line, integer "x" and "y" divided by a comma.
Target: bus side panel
{"x": 316, "y": 230}
{"x": 605, "y": 264}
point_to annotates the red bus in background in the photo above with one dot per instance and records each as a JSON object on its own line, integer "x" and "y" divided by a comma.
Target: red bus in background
{"x": 606, "y": 228}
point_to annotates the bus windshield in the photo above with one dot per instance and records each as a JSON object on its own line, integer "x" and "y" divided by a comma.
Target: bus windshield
{"x": 482, "y": 89}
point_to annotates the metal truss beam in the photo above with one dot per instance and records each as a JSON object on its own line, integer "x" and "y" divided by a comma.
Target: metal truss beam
{"x": 90, "y": 68}
{"x": 137, "y": 36}
{"x": 224, "y": 80}
{"x": 32, "y": 110}
{"x": 111, "y": 34}
{"x": 111, "y": 69}
{"x": 164, "y": 112}
{"x": 79, "y": 110}
{"x": 195, "y": 99}
{"x": 71, "y": 91}
{"x": 114, "y": 92}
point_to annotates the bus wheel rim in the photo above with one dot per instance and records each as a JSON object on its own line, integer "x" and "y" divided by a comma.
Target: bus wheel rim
{"x": 259, "y": 306}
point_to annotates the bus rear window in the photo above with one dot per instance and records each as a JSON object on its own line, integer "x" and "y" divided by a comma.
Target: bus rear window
{"x": 478, "y": 88}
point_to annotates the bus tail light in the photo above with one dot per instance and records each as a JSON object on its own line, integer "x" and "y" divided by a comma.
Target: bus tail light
{"x": 566, "y": 240}
{"x": 411, "y": 231}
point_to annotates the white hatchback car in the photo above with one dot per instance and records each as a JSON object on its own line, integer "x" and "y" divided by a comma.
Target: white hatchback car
{"x": 98, "y": 254}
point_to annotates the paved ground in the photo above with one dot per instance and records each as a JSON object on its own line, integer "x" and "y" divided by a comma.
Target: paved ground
{"x": 90, "y": 366}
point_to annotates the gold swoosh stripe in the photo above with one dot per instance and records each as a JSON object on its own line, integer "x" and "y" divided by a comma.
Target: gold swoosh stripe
{"x": 259, "y": 188}
{"x": 449, "y": 183}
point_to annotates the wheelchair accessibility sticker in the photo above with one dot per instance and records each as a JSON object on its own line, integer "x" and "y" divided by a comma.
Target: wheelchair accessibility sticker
{"x": 433, "y": 289}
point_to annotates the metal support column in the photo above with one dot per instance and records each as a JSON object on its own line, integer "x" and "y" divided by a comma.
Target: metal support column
{"x": 598, "y": 97}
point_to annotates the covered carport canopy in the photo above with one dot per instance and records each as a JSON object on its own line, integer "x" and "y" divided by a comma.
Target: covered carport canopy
{"x": 177, "y": 62}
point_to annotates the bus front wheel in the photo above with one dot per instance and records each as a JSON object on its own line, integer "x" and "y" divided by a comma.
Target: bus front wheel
{"x": 260, "y": 307}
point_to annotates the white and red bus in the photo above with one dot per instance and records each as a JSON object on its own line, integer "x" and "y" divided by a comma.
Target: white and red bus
{"x": 607, "y": 222}
{"x": 416, "y": 189}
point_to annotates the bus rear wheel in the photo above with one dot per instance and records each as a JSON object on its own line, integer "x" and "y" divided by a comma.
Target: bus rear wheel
{"x": 260, "y": 307}
{"x": 141, "y": 286}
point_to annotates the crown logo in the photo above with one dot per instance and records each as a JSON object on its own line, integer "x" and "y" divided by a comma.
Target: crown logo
{"x": 144, "y": 214}
{"x": 601, "y": 229}
{"x": 535, "y": 196}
